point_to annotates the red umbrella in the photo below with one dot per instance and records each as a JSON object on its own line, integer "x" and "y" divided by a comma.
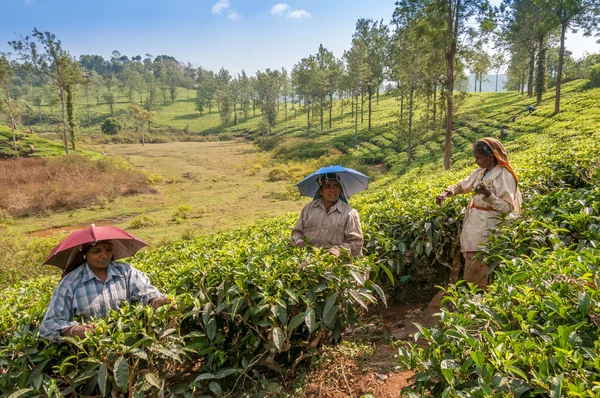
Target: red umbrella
{"x": 124, "y": 244}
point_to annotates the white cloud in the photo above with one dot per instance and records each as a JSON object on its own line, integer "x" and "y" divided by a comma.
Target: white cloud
{"x": 219, "y": 6}
{"x": 234, "y": 16}
{"x": 279, "y": 9}
{"x": 298, "y": 14}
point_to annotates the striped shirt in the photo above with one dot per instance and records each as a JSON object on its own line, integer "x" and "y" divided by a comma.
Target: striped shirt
{"x": 340, "y": 227}
{"x": 82, "y": 294}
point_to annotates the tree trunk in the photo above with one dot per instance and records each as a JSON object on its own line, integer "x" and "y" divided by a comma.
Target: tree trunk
{"x": 307, "y": 118}
{"x": 540, "y": 78}
{"x": 531, "y": 70}
{"x": 362, "y": 107}
{"x": 330, "y": 108}
{"x": 450, "y": 54}
{"x": 377, "y": 95}
{"x": 321, "y": 111}
{"x": 434, "y": 105}
{"x": 480, "y": 81}
{"x": 356, "y": 120}
{"x": 475, "y": 83}
{"x": 523, "y": 82}
{"x": 12, "y": 119}
{"x": 401, "y": 105}
{"x": 410, "y": 117}
{"x": 341, "y": 98}
{"x": 561, "y": 55}
{"x": 370, "y": 100}
{"x": 64, "y": 119}
{"x": 352, "y": 106}
{"x": 285, "y": 106}
{"x": 496, "y": 81}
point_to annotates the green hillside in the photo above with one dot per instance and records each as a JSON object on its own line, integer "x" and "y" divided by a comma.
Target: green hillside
{"x": 249, "y": 306}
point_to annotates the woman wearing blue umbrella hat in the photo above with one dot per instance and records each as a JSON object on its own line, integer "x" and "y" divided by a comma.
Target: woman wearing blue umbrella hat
{"x": 328, "y": 221}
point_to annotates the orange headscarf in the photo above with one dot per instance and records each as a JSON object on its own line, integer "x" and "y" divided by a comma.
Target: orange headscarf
{"x": 501, "y": 155}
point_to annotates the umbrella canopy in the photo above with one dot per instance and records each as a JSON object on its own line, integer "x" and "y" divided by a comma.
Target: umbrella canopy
{"x": 352, "y": 181}
{"x": 124, "y": 244}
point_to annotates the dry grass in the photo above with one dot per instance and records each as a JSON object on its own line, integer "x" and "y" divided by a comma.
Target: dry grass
{"x": 39, "y": 186}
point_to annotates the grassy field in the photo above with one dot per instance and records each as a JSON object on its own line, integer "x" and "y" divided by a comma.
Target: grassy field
{"x": 200, "y": 188}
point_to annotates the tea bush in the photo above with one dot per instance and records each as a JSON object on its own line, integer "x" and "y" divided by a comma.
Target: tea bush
{"x": 245, "y": 301}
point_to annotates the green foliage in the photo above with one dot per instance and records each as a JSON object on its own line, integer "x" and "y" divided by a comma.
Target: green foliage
{"x": 111, "y": 126}
{"x": 246, "y": 301}
{"x": 143, "y": 221}
{"x": 595, "y": 76}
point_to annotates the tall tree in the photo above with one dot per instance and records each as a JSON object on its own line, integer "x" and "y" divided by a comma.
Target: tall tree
{"x": 452, "y": 18}
{"x": 373, "y": 35}
{"x": 268, "y": 86}
{"x": 305, "y": 81}
{"x": 54, "y": 63}
{"x": 573, "y": 14}
{"x": 6, "y": 81}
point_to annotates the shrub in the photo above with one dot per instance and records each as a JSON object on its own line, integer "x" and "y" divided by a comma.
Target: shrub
{"x": 143, "y": 221}
{"x": 595, "y": 76}
{"x": 111, "y": 126}
{"x": 302, "y": 149}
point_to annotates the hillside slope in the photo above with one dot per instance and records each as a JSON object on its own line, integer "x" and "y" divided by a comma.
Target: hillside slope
{"x": 248, "y": 304}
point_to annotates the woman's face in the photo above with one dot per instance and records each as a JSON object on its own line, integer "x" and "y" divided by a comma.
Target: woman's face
{"x": 483, "y": 161}
{"x": 331, "y": 191}
{"x": 99, "y": 255}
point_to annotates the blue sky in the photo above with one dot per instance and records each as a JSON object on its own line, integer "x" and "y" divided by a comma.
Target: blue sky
{"x": 235, "y": 34}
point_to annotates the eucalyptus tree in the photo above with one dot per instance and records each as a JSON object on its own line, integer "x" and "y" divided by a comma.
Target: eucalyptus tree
{"x": 306, "y": 83}
{"x": 245, "y": 86}
{"x": 225, "y": 100}
{"x": 358, "y": 73}
{"x": 373, "y": 35}
{"x": 188, "y": 81}
{"x": 54, "y": 63}
{"x": 408, "y": 57}
{"x": 452, "y": 28}
{"x": 528, "y": 23}
{"x": 572, "y": 14}
{"x": 206, "y": 91}
{"x": 481, "y": 64}
{"x": 328, "y": 72}
{"x": 268, "y": 87}
{"x": 131, "y": 80}
{"x": 7, "y": 74}
{"x": 498, "y": 61}
{"x": 286, "y": 90}
{"x": 170, "y": 76}
{"x": 141, "y": 117}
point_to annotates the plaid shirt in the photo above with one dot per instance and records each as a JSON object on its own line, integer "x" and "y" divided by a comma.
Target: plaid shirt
{"x": 81, "y": 293}
{"x": 340, "y": 227}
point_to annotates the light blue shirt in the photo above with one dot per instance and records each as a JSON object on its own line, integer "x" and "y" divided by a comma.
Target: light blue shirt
{"x": 81, "y": 293}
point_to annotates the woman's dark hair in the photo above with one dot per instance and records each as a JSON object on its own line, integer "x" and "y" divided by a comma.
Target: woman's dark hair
{"x": 482, "y": 148}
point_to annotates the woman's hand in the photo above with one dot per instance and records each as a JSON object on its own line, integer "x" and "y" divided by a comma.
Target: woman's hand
{"x": 440, "y": 198}
{"x": 483, "y": 190}
{"x": 79, "y": 330}
{"x": 160, "y": 301}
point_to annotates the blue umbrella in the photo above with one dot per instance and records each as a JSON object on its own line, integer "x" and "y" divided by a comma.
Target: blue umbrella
{"x": 352, "y": 181}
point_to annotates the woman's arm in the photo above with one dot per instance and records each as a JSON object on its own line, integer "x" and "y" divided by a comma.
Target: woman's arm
{"x": 142, "y": 290}
{"x": 57, "y": 319}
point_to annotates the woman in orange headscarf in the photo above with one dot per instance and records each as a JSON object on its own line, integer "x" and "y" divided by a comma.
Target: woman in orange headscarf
{"x": 496, "y": 189}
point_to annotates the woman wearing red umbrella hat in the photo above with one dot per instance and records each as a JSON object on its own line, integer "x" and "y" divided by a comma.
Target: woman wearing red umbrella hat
{"x": 93, "y": 283}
